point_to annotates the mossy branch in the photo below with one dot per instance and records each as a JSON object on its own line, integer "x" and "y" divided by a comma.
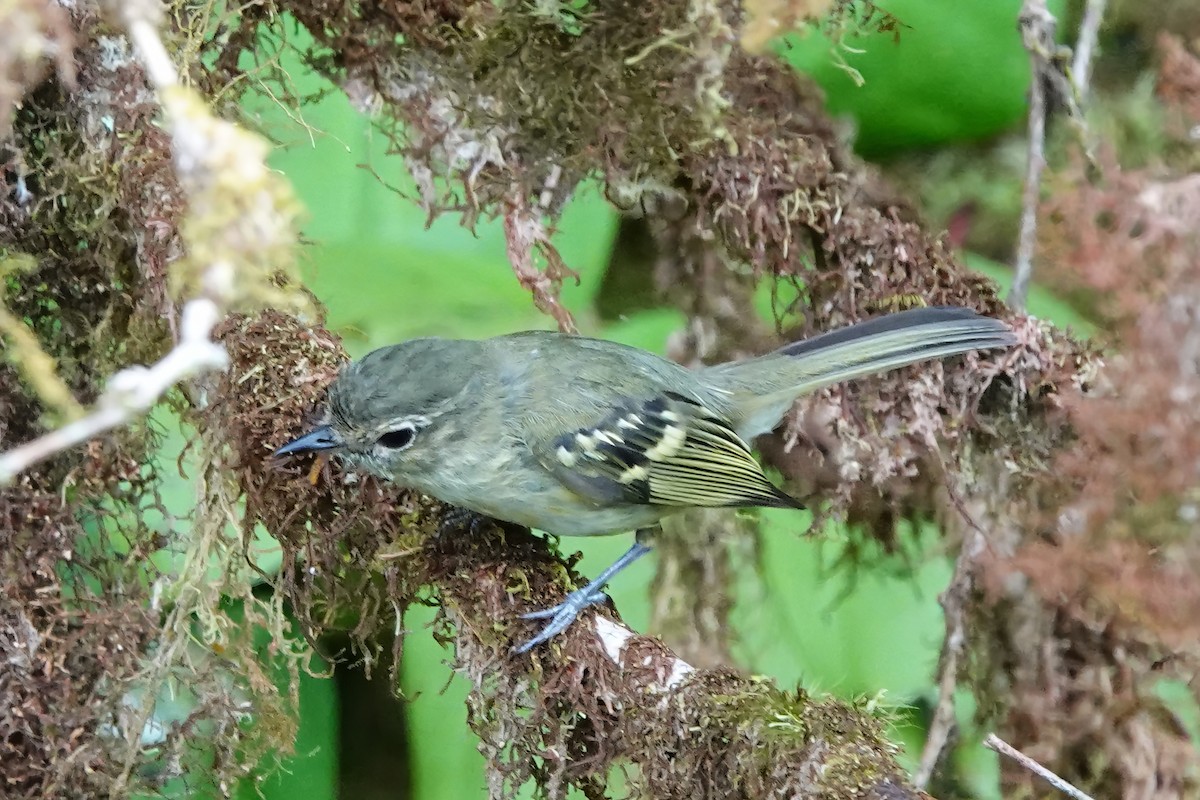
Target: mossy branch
{"x": 616, "y": 697}
{"x": 240, "y": 234}
{"x": 357, "y": 554}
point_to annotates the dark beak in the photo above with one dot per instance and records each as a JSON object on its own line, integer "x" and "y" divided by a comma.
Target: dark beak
{"x": 322, "y": 438}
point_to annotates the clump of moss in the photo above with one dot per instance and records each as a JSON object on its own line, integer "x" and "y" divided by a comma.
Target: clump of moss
{"x": 67, "y": 650}
{"x": 786, "y": 744}
{"x": 331, "y": 530}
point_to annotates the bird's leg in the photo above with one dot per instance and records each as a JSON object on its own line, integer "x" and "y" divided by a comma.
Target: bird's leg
{"x": 562, "y": 615}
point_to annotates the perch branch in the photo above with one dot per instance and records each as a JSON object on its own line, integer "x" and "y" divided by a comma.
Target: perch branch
{"x": 619, "y": 697}
{"x": 994, "y": 742}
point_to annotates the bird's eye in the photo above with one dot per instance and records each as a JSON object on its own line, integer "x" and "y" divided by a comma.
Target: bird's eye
{"x": 399, "y": 438}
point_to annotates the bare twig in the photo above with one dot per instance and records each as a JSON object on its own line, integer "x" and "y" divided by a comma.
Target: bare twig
{"x": 1085, "y": 47}
{"x": 954, "y": 604}
{"x": 1037, "y": 32}
{"x": 1049, "y": 79}
{"x": 132, "y": 391}
{"x": 994, "y": 742}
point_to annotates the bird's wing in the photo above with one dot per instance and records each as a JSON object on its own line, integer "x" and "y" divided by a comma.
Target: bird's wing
{"x": 668, "y": 450}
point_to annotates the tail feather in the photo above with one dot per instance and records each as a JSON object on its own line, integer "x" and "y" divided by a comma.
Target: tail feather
{"x": 764, "y": 387}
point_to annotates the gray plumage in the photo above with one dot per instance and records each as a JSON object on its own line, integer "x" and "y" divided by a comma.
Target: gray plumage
{"x": 580, "y": 436}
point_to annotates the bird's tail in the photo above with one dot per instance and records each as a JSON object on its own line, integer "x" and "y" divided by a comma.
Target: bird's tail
{"x": 764, "y": 388}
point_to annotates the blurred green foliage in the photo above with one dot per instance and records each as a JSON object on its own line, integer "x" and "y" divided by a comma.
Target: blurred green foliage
{"x": 951, "y": 71}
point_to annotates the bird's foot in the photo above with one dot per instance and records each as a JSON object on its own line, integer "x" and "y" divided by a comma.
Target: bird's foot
{"x": 459, "y": 519}
{"x": 562, "y": 615}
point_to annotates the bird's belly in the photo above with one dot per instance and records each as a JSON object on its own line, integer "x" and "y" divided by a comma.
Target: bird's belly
{"x": 601, "y": 522}
{"x": 551, "y": 507}
{"x": 567, "y": 516}
{"x": 511, "y": 488}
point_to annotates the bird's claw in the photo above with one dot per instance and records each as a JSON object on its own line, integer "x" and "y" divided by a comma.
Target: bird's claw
{"x": 457, "y": 519}
{"x": 562, "y": 615}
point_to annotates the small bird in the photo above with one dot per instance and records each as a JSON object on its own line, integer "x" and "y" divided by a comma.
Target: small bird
{"x": 582, "y": 437}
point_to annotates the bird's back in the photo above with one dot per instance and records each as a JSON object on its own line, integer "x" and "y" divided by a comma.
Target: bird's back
{"x": 576, "y": 377}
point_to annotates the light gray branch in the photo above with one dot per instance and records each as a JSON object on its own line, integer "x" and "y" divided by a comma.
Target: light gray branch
{"x": 994, "y": 742}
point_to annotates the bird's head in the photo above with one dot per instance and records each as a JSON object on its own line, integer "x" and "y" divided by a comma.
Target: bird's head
{"x": 387, "y": 412}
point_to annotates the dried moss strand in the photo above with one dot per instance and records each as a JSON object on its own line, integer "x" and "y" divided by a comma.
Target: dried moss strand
{"x": 37, "y": 367}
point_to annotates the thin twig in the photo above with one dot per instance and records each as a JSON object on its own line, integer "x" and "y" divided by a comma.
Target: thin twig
{"x": 1085, "y": 47}
{"x": 132, "y": 391}
{"x": 994, "y": 742}
{"x": 954, "y": 605}
{"x": 154, "y": 57}
{"x": 1037, "y": 32}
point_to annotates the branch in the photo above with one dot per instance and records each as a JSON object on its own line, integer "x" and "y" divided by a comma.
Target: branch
{"x": 955, "y": 601}
{"x": 994, "y": 742}
{"x": 601, "y": 695}
{"x": 1037, "y": 32}
{"x": 1085, "y": 47}
{"x": 1049, "y": 66}
{"x": 132, "y": 391}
